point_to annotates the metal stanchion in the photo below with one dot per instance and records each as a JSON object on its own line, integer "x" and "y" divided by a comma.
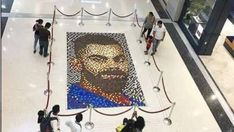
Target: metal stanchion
{"x": 55, "y": 8}
{"x": 167, "y": 120}
{"x": 48, "y": 91}
{"x": 147, "y": 62}
{"x": 89, "y": 125}
{"x": 134, "y": 19}
{"x": 156, "y": 88}
{"x": 81, "y": 17}
{"x": 108, "y": 22}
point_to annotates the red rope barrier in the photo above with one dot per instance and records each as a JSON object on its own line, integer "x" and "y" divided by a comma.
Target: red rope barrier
{"x": 95, "y": 14}
{"x": 48, "y": 73}
{"x": 73, "y": 114}
{"x": 138, "y": 22}
{"x": 154, "y": 112}
{"x": 67, "y": 14}
{"x": 164, "y": 89}
{"x": 156, "y": 64}
{"x": 122, "y": 16}
{"x": 112, "y": 114}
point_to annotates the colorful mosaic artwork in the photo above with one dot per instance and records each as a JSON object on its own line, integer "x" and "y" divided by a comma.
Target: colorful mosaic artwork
{"x": 100, "y": 71}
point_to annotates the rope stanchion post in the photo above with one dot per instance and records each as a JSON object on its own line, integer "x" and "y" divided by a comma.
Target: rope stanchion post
{"x": 48, "y": 91}
{"x": 108, "y": 21}
{"x": 81, "y": 17}
{"x": 89, "y": 125}
{"x": 134, "y": 19}
{"x": 139, "y": 39}
{"x": 147, "y": 62}
{"x": 156, "y": 88}
{"x": 167, "y": 120}
{"x": 55, "y": 8}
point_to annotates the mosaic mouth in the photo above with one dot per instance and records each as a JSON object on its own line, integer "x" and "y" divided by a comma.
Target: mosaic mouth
{"x": 112, "y": 76}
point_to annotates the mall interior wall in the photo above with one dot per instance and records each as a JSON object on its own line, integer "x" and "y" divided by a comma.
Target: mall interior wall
{"x": 202, "y": 21}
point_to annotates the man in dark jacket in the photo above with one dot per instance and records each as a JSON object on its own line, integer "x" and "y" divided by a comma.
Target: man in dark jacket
{"x": 44, "y": 36}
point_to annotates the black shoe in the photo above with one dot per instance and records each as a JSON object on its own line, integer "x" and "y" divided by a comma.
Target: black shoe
{"x": 34, "y": 51}
{"x": 40, "y": 53}
{"x": 46, "y": 55}
{"x": 152, "y": 53}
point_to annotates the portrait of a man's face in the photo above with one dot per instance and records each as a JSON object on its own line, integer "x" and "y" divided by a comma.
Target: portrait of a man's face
{"x": 101, "y": 72}
{"x": 105, "y": 66}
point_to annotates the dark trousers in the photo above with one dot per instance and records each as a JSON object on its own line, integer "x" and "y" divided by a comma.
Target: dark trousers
{"x": 43, "y": 48}
{"x": 148, "y": 33}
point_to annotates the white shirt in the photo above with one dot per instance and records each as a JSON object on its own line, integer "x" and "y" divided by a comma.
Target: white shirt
{"x": 159, "y": 32}
{"x": 55, "y": 123}
{"x": 74, "y": 127}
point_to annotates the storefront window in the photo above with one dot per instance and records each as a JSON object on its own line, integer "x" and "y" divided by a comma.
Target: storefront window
{"x": 197, "y": 16}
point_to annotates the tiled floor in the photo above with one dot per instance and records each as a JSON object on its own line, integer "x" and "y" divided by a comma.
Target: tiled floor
{"x": 220, "y": 65}
{"x": 24, "y": 73}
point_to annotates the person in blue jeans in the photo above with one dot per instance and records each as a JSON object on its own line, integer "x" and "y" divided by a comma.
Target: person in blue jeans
{"x": 44, "y": 36}
{"x": 36, "y": 28}
{"x": 158, "y": 34}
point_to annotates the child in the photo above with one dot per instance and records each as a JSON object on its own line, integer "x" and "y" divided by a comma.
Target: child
{"x": 148, "y": 45}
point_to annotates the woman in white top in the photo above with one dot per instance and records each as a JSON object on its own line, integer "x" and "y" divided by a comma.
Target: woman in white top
{"x": 75, "y": 126}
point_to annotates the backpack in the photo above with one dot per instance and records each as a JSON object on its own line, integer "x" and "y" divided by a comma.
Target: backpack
{"x": 45, "y": 125}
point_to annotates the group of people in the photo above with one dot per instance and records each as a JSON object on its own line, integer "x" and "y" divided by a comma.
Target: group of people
{"x": 158, "y": 32}
{"x": 42, "y": 34}
{"x": 50, "y": 122}
{"x": 132, "y": 125}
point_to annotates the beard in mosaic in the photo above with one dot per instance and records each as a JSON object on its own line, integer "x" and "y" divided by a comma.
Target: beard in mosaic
{"x": 102, "y": 67}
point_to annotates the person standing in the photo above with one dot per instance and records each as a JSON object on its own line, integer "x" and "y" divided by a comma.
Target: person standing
{"x": 44, "y": 36}
{"x": 148, "y": 24}
{"x": 75, "y": 126}
{"x": 158, "y": 34}
{"x": 36, "y": 28}
{"x": 55, "y": 124}
{"x": 49, "y": 122}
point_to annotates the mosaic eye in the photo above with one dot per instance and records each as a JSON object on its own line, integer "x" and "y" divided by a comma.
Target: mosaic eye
{"x": 120, "y": 58}
{"x": 97, "y": 58}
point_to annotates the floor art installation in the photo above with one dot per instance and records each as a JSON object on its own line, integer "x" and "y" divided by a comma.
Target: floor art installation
{"x": 100, "y": 71}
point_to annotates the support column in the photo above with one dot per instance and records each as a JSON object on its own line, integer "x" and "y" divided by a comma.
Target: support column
{"x": 214, "y": 27}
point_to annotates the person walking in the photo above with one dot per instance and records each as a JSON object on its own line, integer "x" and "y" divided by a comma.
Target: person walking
{"x": 36, "y": 28}
{"x": 158, "y": 34}
{"x": 148, "y": 24}
{"x": 44, "y": 36}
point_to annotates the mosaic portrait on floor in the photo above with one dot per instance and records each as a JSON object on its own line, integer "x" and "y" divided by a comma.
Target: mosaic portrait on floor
{"x": 100, "y": 71}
